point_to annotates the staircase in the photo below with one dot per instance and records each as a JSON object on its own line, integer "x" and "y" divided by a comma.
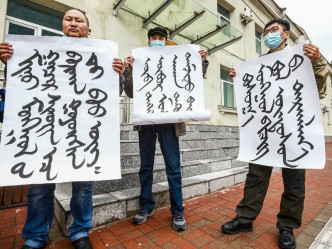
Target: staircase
{"x": 208, "y": 164}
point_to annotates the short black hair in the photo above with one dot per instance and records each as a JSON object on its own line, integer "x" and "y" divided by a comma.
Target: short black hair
{"x": 283, "y": 22}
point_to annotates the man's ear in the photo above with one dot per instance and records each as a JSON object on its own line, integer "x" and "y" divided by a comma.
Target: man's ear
{"x": 89, "y": 32}
{"x": 287, "y": 33}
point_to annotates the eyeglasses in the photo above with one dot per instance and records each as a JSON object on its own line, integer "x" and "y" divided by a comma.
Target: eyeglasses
{"x": 271, "y": 30}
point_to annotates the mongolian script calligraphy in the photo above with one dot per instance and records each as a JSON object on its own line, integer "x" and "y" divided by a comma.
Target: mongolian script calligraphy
{"x": 172, "y": 80}
{"x": 93, "y": 61}
{"x": 70, "y": 68}
{"x": 97, "y": 110}
{"x": 149, "y": 105}
{"x": 275, "y": 99}
{"x": 25, "y": 72}
{"x": 160, "y": 75}
{"x": 178, "y": 105}
{"x": 71, "y": 123}
{"x": 187, "y": 77}
{"x": 62, "y": 107}
{"x": 50, "y": 62}
{"x": 147, "y": 77}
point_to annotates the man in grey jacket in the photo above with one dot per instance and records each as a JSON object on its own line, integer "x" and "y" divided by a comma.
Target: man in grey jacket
{"x": 168, "y": 137}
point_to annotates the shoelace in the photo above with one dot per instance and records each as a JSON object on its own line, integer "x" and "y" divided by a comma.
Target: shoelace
{"x": 143, "y": 212}
{"x": 179, "y": 217}
{"x": 286, "y": 234}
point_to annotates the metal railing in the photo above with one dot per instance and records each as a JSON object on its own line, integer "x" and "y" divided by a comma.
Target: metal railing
{"x": 126, "y": 109}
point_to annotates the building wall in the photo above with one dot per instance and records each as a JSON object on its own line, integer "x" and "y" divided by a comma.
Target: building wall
{"x": 127, "y": 29}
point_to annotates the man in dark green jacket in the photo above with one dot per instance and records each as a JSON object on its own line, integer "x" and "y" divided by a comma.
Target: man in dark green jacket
{"x": 276, "y": 33}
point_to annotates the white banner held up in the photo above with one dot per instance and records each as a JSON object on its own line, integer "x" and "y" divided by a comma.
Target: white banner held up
{"x": 61, "y": 118}
{"x": 168, "y": 85}
{"x": 279, "y": 111}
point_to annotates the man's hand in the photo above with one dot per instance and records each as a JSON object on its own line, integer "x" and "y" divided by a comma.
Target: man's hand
{"x": 311, "y": 51}
{"x": 6, "y": 50}
{"x": 128, "y": 62}
{"x": 118, "y": 66}
{"x": 232, "y": 73}
{"x": 203, "y": 53}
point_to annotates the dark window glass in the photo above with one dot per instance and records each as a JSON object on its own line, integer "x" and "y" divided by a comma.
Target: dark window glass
{"x": 19, "y": 30}
{"x": 224, "y": 12}
{"x": 224, "y": 18}
{"x": 228, "y": 95}
{"x": 224, "y": 75}
{"x": 258, "y": 42}
{"x": 36, "y": 14}
{"x": 228, "y": 88}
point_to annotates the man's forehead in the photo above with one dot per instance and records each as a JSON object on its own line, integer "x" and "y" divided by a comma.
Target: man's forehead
{"x": 159, "y": 34}
{"x": 273, "y": 25}
{"x": 74, "y": 14}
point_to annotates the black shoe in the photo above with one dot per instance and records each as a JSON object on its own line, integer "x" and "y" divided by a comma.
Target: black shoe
{"x": 235, "y": 226}
{"x": 31, "y": 247}
{"x": 286, "y": 240}
{"x": 82, "y": 243}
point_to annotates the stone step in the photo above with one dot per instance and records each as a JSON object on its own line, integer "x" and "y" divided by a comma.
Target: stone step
{"x": 133, "y": 135}
{"x": 130, "y": 177}
{"x": 131, "y": 146}
{"x": 118, "y": 205}
{"x": 196, "y": 127}
{"x": 129, "y": 160}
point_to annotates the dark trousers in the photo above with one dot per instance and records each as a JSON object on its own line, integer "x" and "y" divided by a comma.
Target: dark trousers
{"x": 292, "y": 199}
{"x": 169, "y": 145}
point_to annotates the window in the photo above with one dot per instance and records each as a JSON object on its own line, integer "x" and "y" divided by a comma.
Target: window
{"x": 227, "y": 89}
{"x": 27, "y": 18}
{"x": 258, "y": 42}
{"x": 224, "y": 17}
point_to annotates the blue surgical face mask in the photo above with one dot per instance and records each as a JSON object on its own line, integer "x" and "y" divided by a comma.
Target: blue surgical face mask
{"x": 273, "y": 40}
{"x": 157, "y": 43}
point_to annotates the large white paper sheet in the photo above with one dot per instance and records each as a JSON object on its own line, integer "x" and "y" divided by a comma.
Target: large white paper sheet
{"x": 279, "y": 111}
{"x": 61, "y": 118}
{"x": 168, "y": 85}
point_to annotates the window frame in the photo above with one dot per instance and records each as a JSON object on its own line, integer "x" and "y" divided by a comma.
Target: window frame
{"x": 222, "y": 82}
{"x": 227, "y": 20}
{"x": 37, "y": 28}
{"x": 221, "y": 18}
{"x": 258, "y": 40}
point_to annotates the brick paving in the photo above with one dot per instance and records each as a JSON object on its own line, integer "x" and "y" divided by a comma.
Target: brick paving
{"x": 204, "y": 216}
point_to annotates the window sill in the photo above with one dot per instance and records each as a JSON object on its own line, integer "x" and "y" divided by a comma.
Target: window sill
{"x": 225, "y": 109}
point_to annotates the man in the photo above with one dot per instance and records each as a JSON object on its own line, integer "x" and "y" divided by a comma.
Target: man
{"x": 276, "y": 33}
{"x": 169, "y": 144}
{"x": 41, "y": 196}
